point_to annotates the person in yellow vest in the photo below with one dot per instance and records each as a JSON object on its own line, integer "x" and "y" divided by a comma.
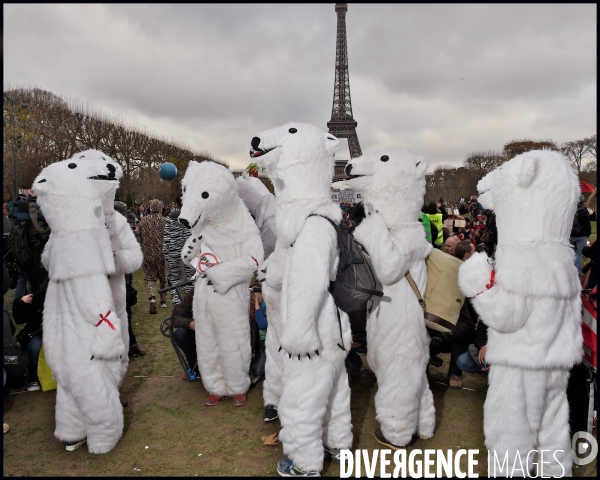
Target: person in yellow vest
{"x": 435, "y": 217}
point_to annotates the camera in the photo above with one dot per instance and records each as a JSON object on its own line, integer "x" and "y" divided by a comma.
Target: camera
{"x": 256, "y": 289}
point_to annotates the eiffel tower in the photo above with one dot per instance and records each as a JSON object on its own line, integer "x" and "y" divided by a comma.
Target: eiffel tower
{"x": 342, "y": 123}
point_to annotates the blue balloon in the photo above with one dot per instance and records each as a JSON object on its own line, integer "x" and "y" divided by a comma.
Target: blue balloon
{"x": 168, "y": 171}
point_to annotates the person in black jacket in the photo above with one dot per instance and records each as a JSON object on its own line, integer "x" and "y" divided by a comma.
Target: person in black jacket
{"x": 580, "y": 232}
{"x": 29, "y": 310}
{"x": 455, "y": 342}
{"x": 185, "y": 334}
{"x": 473, "y": 360}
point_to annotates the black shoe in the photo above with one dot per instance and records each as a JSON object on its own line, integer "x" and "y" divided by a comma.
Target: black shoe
{"x": 70, "y": 446}
{"x": 270, "y": 413}
{"x": 384, "y": 441}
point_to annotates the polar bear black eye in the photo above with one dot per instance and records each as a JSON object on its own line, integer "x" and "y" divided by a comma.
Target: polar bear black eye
{"x": 204, "y": 194}
{"x": 385, "y": 158}
{"x": 183, "y": 189}
{"x": 292, "y": 130}
{"x": 72, "y": 165}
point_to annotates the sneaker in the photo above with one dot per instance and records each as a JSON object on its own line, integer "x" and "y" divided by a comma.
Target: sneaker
{"x": 212, "y": 400}
{"x": 254, "y": 379}
{"x": 136, "y": 351}
{"x": 34, "y": 387}
{"x": 378, "y": 434}
{"x": 74, "y": 445}
{"x": 270, "y": 413}
{"x": 333, "y": 453}
{"x": 454, "y": 381}
{"x": 285, "y": 468}
{"x": 239, "y": 400}
{"x": 153, "y": 306}
{"x": 163, "y": 304}
{"x": 6, "y": 427}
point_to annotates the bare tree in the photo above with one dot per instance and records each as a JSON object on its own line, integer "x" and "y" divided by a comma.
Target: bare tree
{"x": 576, "y": 152}
{"x": 53, "y": 128}
{"x": 516, "y": 147}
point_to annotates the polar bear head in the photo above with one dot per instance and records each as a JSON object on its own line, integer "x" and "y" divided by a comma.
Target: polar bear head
{"x": 298, "y": 157}
{"x": 209, "y": 193}
{"x": 534, "y": 196}
{"x": 392, "y": 181}
{"x": 115, "y": 170}
{"x": 70, "y": 193}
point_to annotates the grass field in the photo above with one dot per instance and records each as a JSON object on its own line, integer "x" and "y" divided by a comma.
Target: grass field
{"x": 168, "y": 431}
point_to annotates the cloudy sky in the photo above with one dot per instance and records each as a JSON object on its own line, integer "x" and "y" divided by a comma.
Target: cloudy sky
{"x": 441, "y": 80}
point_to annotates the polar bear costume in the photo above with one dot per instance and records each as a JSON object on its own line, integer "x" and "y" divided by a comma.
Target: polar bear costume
{"x": 314, "y": 408}
{"x": 261, "y": 204}
{"x": 532, "y": 308}
{"x": 218, "y": 218}
{"x": 126, "y": 249}
{"x": 82, "y": 331}
{"x": 393, "y": 182}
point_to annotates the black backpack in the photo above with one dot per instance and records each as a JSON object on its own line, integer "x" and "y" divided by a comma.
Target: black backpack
{"x": 355, "y": 281}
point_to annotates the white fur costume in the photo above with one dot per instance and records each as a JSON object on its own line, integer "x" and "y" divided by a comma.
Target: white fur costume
{"x": 533, "y": 309}
{"x": 126, "y": 249}
{"x": 314, "y": 408}
{"x": 217, "y": 217}
{"x": 393, "y": 182}
{"x": 261, "y": 204}
{"x": 82, "y": 332}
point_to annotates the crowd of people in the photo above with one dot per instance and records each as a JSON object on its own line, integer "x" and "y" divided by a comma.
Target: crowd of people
{"x": 458, "y": 229}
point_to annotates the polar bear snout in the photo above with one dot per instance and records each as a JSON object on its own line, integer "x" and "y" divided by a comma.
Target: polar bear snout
{"x": 184, "y": 222}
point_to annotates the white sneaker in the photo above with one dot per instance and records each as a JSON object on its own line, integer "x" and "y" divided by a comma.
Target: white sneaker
{"x": 163, "y": 305}
{"x": 75, "y": 445}
{"x": 34, "y": 387}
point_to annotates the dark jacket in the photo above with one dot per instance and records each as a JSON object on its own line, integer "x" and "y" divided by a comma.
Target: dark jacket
{"x": 584, "y": 221}
{"x": 590, "y": 251}
{"x": 480, "y": 335}
{"x": 464, "y": 331}
{"x": 183, "y": 315}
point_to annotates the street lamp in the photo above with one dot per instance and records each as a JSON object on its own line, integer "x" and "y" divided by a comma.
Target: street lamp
{"x": 14, "y": 139}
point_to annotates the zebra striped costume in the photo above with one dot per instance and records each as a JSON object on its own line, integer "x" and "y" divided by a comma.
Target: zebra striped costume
{"x": 174, "y": 238}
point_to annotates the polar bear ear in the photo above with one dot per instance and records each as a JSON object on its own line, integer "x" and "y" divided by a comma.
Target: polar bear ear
{"x": 527, "y": 172}
{"x": 332, "y": 144}
{"x": 422, "y": 165}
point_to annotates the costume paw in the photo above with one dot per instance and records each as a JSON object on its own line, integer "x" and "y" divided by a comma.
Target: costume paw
{"x": 217, "y": 277}
{"x": 301, "y": 356}
{"x": 474, "y": 274}
{"x": 370, "y": 227}
{"x": 107, "y": 343}
{"x": 191, "y": 249}
{"x": 304, "y": 344}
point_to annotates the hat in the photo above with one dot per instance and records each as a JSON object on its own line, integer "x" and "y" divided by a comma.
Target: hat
{"x": 121, "y": 207}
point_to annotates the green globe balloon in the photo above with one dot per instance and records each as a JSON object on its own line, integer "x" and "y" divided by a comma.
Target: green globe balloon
{"x": 168, "y": 171}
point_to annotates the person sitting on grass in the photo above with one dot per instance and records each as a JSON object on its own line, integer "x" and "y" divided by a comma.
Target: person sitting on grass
{"x": 185, "y": 335}
{"x": 473, "y": 360}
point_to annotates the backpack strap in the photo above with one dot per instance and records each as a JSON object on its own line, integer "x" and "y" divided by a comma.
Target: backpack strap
{"x": 33, "y": 214}
{"x": 413, "y": 285}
